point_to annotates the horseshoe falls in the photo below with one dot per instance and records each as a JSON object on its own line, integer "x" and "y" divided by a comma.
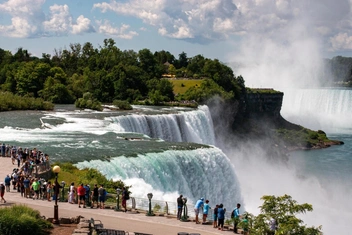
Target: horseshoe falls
{"x": 192, "y": 126}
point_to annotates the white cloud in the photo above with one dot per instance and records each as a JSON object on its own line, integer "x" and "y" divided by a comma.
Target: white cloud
{"x": 122, "y": 32}
{"x": 28, "y": 20}
{"x": 341, "y": 41}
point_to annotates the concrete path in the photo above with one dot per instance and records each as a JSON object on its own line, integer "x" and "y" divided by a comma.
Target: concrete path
{"x": 111, "y": 219}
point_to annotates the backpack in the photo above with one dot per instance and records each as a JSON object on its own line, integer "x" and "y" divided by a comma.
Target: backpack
{"x": 233, "y": 214}
{"x": 127, "y": 195}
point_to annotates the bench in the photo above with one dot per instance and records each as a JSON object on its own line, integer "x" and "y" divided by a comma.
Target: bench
{"x": 103, "y": 231}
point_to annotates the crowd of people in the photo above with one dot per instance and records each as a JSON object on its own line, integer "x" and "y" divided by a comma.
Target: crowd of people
{"x": 203, "y": 206}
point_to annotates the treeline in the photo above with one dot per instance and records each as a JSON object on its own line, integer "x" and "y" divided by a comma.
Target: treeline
{"x": 109, "y": 74}
{"x": 339, "y": 70}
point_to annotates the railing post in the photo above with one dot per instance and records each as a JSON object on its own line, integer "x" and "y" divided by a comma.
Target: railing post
{"x": 133, "y": 202}
{"x": 166, "y": 208}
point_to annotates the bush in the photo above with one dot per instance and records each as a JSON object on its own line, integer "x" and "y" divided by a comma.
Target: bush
{"x": 124, "y": 105}
{"x": 9, "y": 101}
{"x": 88, "y": 102}
{"x": 20, "y": 219}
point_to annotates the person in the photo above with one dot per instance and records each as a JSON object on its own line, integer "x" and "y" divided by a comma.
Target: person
{"x": 87, "y": 187}
{"x": 48, "y": 190}
{"x": 2, "y": 192}
{"x": 125, "y": 197}
{"x": 7, "y": 183}
{"x": 236, "y": 217}
{"x": 198, "y": 205}
{"x": 179, "y": 206}
{"x": 206, "y": 208}
{"x": 3, "y": 150}
{"x": 95, "y": 195}
{"x": 81, "y": 191}
{"x": 221, "y": 217}
{"x": 102, "y": 194}
{"x": 35, "y": 187}
{"x": 215, "y": 216}
{"x": 26, "y": 184}
{"x": 71, "y": 195}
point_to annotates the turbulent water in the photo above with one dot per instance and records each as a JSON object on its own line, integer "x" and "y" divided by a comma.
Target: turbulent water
{"x": 164, "y": 150}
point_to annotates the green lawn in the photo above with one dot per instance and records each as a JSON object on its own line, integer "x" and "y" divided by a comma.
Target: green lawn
{"x": 181, "y": 89}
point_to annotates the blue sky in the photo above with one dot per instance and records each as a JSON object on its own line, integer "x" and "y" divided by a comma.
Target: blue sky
{"x": 230, "y": 30}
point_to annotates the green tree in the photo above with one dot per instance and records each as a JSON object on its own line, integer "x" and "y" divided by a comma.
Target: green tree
{"x": 284, "y": 210}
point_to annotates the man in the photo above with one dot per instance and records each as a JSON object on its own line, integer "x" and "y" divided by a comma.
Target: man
{"x": 7, "y": 183}
{"x": 198, "y": 205}
{"x": 237, "y": 217}
{"x": 125, "y": 197}
{"x": 179, "y": 206}
{"x": 95, "y": 196}
{"x": 81, "y": 192}
{"x": 2, "y": 192}
{"x": 35, "y": 187}
{"x": 206, "y": 208}
{"x": 87, "y": 187}
{"x": 102, "y": 194}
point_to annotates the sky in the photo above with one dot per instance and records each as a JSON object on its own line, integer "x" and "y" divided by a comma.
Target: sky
{"x": 223, "y": 29}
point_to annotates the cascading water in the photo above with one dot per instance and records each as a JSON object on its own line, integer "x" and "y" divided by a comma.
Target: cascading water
{"x": 204, "y": 172}
{"x": 328, "y": 109}
{"x": 193, "y": 126}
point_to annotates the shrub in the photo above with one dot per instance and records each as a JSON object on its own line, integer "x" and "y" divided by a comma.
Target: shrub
{"x": 20, "y": 219}
{"x": 124, "y": 105}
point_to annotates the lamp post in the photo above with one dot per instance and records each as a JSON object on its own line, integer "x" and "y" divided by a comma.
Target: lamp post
{"x": 184, "y": 218}
{"x": 62, "y": 199}
{"x": 117, "y": 208}
{"x": 56, "y": 170}
{"x": 150, "y": 196}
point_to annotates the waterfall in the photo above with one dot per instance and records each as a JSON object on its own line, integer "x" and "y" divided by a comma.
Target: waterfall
{"x": 327, "y": 109}
{"x": 205, "y": 172}
{"x": 191, "y": 126}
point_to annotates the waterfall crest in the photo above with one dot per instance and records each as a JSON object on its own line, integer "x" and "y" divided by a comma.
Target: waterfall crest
{"x": 192, "y": 126}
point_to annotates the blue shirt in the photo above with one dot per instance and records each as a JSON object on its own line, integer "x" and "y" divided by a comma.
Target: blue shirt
{"x": 206, "y": 208}
{"x": 221, "y": 213}
{"x": 7, "y": 180}
{"x": 199, "y": 204}
{"x": 237, "y": 212}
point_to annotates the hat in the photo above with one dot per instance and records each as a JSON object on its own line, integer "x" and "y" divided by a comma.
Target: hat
{"x": 1, "y": 182}
{"x": 202, "y": 199}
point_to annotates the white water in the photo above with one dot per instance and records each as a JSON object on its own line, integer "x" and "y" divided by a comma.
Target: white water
{"x": 205, "y": 172}
{"x": 195, "y": 126}
{"x": 328, "y": 109}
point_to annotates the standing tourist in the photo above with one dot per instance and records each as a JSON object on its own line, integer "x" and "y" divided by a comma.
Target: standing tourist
{"x": 26, "y": 184}
{"x": 102, "y": 194}
{"x": 206, "y": 208}
{"x": 2, "y": 192}
{"x": 95, "y": 196}
{"x": 215, "y": 217}
{"x": 71, "y": 195}
{"x": 198, "y": 205}
{"x": 81, "y": 191}
{"x": 236, "y": 213}
{"x": 86, "y": 198}
{"x": 125, "y": 197}
{"x": 3, "y": 147}
{"x": 48, "y": 190}
{"x": 35, "y": 187}
{"x": 179, "y": 206}
{"x": 7, "y": 183}
{"x": 221, "y": 217}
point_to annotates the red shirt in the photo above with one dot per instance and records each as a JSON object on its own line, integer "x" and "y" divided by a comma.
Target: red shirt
{"x": 81, "y": 191}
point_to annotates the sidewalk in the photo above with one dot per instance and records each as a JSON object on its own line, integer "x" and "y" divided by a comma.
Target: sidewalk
{"x": 157, "y": 225}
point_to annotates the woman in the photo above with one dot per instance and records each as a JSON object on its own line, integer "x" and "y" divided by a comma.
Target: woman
{"x": 48, "y": 190}
{"x": 71, "y": 196}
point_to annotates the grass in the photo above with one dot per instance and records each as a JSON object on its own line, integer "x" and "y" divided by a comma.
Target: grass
{"x": 181, "y": 86}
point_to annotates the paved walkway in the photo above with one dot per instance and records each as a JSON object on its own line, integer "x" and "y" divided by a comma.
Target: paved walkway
{"x": 111, "y": 219}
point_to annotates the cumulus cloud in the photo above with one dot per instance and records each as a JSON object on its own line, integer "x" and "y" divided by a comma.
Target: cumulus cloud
{"x": 29, "y": 20}
{"x": 106, "y": 28}
{"x": 213, "y": 20}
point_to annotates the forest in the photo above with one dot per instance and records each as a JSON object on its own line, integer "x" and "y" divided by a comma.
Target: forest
{"x": 106, "y": 74}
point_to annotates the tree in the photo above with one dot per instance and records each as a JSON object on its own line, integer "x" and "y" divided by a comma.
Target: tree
{"x": 283, "y": 209}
